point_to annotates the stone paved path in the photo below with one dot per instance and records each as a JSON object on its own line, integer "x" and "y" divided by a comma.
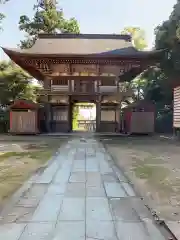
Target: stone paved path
{"x": 80, "y": 196}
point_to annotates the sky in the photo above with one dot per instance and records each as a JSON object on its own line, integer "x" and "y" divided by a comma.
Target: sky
{"x": 94, "y": 16}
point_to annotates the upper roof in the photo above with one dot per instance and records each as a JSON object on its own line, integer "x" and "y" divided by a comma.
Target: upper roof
{"x": 82, "y": 45}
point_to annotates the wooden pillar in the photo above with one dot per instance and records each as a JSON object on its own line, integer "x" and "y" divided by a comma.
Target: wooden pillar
{"x": 69, "y": 114}
{"x": 98, "y": 113}
{"x": 119, "y": 99}
{"x": 48, "y": 109}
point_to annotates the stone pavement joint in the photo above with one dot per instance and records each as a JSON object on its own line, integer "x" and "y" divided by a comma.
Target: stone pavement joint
{"x": 80, "y": 196}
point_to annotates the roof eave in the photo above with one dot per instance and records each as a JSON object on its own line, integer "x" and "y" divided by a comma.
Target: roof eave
{"x": 139, "y": 54}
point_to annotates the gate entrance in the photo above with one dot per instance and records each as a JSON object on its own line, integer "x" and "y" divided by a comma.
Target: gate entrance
{"x": 84, "y": 117}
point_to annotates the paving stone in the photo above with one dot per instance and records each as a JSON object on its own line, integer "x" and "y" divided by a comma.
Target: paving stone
{"x": 128, "y": 188}
{"x": 48, "y": 209}
{"x": 93, "y": 179}
{"x": 100, "y": 230}
{"x": 174, "y": 227}
{"x": 98, "y": 209}
{"x": 48, "y": 174}
{"x": 78, "y": 165}
{"x": 109, "y": 177}
{"x": 36, "y": 191}
{"x": 105, "y": 168}
{"x": 120, "y": 175}
{"x": 79, "y": 156}
{"x": 75, "y": 190}
{"x": 57, "y": 189}
{"x": 123, "y": 211}
{"x": 132, "y": 231}
{"x": 152, "y": 230}
{"x": 139, "y": 207}
{"x": 11, "y": 231}
{"x": 70, "y": 230}
{"x": 77, "y": 177}
{"x": 92, "y": 165}
{"x": 95, "y": 191}
{"x": 114, "y": 190}
{"x": 73, "y": 209}
{"x": 17, "y": 214}
{"x": 37, "y": 231}
{"x": 62, "y": 176}
{"x": 28, "y": 202}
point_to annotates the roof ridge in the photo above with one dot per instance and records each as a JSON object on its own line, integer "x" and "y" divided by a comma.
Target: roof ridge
{"x": 125, "y": 37}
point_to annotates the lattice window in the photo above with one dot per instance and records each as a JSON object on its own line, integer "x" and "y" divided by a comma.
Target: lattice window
{"x": 60, "y": 82}
{"x": 108, "y": 82}
{"x": 60, "y": 115}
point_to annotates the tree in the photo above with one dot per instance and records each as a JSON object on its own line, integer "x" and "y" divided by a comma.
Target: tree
{"x": 168, "y": 37}
{"x": 138, "y": 37}
{"x": 2, "y": 16}
{"x": 47, "y": 19}
{"x": 15, "y": 84}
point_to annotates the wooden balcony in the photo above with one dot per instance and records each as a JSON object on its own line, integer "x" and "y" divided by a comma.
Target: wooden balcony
{"x": 77, "y": 92}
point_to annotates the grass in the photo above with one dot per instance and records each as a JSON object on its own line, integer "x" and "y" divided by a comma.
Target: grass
{"x": 17, "y": 167}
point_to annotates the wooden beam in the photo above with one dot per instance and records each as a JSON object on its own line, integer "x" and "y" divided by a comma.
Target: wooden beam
{"x": 90, "y": 78}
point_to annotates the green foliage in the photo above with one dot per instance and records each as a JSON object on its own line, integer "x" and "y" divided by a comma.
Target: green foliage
{"x": 2, "y": 16}
{"x": 168, "y": 37}
{"x": 47, "y": 19}
{"x": 15, "y": 84}
{"x": 138, "y": 36}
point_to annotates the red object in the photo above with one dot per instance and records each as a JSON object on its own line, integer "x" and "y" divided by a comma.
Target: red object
{"x": 24, "y": 104}
{"x": 137, "y": 107}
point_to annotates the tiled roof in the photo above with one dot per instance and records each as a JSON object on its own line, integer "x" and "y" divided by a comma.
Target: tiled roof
{"x": 82, "y": 44}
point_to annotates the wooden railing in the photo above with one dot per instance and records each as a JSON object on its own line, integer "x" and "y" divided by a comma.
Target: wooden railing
{"x": 87, "y": 125}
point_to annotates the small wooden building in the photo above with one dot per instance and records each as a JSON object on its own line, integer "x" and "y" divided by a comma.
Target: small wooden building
{"x": 139, "y": 117}
{"x": 24, "y": 117}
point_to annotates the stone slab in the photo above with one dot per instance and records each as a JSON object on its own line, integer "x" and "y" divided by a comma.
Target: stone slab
{"x": 128, "y": 188}
{"x": 77, "y": 177}
{"x": 48, "y": 209}
{"x": 123, "y": 211}
{"x": 57, "y": 189}
{"x": 114, "y": 190}
{"x": 98, "y": 209}
{"x": 11, "y": 231}
{"x": 73, "y": 209}
{"x": 75, "y": 190}
{"x": 100, "y": 230}
{"x": 70, "y": 230}
{"x": 95, "y": 191}
{"x": 37, "y": 231}
{"x": 93, "y": 179}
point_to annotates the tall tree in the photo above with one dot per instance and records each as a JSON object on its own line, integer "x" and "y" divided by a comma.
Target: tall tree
{"x": 48, "y": 18}
{"x": 138, "y": 36}
{"x": 2, "y": 16}
{"x": 15, "y": 84}
{"x": 168, "y": 37}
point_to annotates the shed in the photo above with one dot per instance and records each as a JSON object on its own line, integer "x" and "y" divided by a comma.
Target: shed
{"x": 139, "y": 117}
{"x": 24, "y": 117}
